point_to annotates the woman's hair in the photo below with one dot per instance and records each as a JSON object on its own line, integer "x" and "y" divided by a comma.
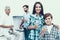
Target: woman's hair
{"x": 48, "y": 14}
{"x": 41, "y": 12}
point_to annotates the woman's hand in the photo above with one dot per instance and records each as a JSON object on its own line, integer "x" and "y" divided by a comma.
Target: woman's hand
{"x": 32, "y": 27}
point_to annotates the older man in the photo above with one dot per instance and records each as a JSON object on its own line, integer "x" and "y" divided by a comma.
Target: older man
{"x": 6, "y": 24}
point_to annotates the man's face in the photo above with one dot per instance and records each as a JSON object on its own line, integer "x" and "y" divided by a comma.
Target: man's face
{"x": 25, "y": 9}
{"x": 7, "y": 11}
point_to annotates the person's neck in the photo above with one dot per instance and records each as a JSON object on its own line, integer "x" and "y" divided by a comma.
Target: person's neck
{"x": 48, "y": 24}
{"x": 37, "y": 14}
{"x": 26, "y": 12}
{"x": 7, "y": 14}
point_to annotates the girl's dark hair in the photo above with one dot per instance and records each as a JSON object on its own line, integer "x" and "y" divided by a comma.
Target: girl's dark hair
{"x": 48, "y": 14}
{"x": 41, "y": 8}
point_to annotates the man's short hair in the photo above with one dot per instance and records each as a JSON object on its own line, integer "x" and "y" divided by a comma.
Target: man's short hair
{"x": 48, "y": 14}
{"x": 26, "y": 6}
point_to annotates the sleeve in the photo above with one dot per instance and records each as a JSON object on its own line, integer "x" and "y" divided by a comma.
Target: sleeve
{"x": 1, "y": 21}
{"x": 26, "y": 23}
{"x": 43, "y": 21}
{"x": 40, "y": 36}
{"x": 23, "y": 16}
{"x": 41, "y": 25}
{"x": 12, "y": 21}
{"x": 58, "y": 35}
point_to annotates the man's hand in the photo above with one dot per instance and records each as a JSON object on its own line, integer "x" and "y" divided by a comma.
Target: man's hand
{"x": 11, "y": 28}
{"x": 21, "y": 27}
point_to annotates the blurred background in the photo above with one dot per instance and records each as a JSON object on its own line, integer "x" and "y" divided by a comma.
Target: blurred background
{"x": 51, "y": 6}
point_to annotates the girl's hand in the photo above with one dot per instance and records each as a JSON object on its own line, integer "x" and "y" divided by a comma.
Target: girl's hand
{"x": 43, "y": 31}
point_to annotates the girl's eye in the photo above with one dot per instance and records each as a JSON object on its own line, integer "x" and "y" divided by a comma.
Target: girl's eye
{"x": 45, "y": 19}
{"x": 36, "y": 7}
{"x": 48, "y": 18}
{"x": 39, "y": 7}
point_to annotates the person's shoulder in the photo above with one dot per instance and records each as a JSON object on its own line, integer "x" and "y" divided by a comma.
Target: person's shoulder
{"x": 29, "y": 14}
{"x": 33, "y": 15}
{"x": 56, "y": 26}
{"x": 42, "y": 16}
{"x": 23, "y": 15}
{"x": 44, "y": 26}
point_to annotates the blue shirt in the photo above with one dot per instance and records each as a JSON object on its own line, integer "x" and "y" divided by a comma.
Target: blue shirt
{"x": 26, "y": 18}
{"x": 35, "y": 20}
{"x": 53, "y": 35}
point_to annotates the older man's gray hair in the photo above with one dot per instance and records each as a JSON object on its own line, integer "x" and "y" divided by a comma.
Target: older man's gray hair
{"x": 7, "y": 7}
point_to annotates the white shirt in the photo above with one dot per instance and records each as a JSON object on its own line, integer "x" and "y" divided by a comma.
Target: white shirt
{"x": 7, "y": 21}
{"x": 26, "y": 16}
{"x": 48, "y": 28}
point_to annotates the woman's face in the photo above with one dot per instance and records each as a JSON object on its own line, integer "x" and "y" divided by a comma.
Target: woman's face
{"x": 38, "y": 8}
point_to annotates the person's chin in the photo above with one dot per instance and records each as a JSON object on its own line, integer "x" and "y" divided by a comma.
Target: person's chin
{"x": 48, "y": 24}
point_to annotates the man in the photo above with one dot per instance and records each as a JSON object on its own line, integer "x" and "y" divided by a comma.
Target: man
{"x": 6, "y": 24}
{"x": 25, "y": 16}
{"x": 25, "y": 19}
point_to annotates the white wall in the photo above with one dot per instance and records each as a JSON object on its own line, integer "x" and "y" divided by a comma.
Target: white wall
{"x": 16, "y": 7}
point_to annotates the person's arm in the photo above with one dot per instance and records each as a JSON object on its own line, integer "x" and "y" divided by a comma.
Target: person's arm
{"x": 4, "y": 26}
{"x": 58, "y": 35}
{"x": 32, "y": 27}
{"x": 43, "y": 31}
{"x": 21, "y": 24}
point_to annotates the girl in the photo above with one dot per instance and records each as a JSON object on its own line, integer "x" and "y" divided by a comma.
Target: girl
{"x": 49, "y": 30}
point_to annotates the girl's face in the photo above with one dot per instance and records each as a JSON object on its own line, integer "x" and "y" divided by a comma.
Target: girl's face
{"x": 48, "y": 20}
{"x": 38, "y": 8}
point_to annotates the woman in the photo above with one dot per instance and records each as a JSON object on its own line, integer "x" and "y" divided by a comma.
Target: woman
{"x": 36, "y": 22}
